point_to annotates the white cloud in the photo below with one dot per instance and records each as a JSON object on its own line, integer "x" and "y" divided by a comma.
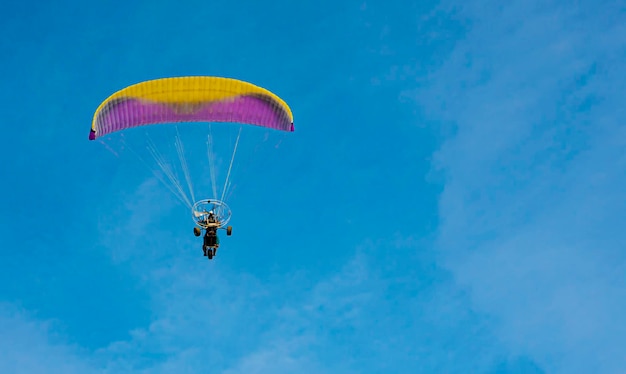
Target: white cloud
{"x": 532, "y": 209}
{"x": 31, "y": 346}
{"x": 359, "y": 319}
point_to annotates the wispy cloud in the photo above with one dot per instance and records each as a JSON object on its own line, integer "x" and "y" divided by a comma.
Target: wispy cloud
{"x": 358, "y": 319}
{"x": 532, "y": 209}
{"x": 29, "y": 345}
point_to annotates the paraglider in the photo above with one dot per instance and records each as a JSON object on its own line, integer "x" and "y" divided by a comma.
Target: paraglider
{"x": 211, "y": 220}
{"x": 195, "y": 99}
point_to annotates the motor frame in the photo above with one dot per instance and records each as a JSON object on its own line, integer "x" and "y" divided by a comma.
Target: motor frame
{"x": 200, "y": 210}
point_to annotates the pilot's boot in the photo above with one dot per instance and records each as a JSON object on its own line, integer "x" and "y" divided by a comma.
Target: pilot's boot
{"x": 204, "y": 250}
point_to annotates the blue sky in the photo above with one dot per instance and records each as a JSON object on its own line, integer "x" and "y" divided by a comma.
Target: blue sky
{"x": 451, "y": 200}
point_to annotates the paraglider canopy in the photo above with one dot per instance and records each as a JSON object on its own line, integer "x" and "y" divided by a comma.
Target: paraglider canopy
{"x": 190, "y": 99}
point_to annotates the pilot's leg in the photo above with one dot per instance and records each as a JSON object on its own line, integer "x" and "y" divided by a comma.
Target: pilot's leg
{"x": 212, "y": 240}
